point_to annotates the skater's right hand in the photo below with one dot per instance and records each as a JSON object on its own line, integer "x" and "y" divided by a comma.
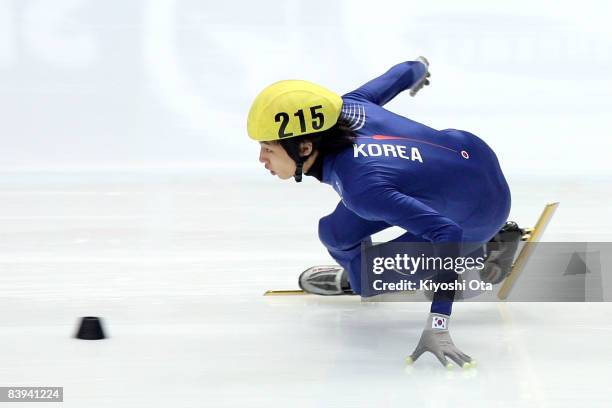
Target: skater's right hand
{"x": 436, "y": 339}
{"x": 424, "y": 79}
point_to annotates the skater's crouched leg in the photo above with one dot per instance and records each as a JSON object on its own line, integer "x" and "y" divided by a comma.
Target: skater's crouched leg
{"x": 343, "y": 230}
{"x": 331, "y": 279}
{"x": 342, "y": 233}
{"x": 333, "y": 237}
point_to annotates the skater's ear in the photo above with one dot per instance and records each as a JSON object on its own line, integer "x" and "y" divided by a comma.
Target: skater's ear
{"x": 306, "y": 148}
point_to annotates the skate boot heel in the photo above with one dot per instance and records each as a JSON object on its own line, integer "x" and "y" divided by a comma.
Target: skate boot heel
{"x": 500, "y": 252}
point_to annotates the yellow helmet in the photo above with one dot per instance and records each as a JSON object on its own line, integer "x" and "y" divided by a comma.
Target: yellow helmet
{"x": 292, "y": 108}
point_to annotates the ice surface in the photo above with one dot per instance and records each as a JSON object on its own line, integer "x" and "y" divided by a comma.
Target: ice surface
{"x": 176, "y": 265}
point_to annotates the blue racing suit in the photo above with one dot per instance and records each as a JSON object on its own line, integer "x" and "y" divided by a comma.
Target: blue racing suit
{"x": 441, "y": 186}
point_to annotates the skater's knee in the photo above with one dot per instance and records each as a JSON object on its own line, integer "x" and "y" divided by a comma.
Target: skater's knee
{"x": 327, "y": 233}
{"x": 332, "y": 238}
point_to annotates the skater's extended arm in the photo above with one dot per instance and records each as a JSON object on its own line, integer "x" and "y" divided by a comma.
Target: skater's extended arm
{"x": 384, "y": 88}
{"x": 386, "y": 203}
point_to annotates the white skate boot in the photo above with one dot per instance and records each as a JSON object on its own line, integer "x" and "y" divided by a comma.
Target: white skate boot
{"x": 325, "y": 280}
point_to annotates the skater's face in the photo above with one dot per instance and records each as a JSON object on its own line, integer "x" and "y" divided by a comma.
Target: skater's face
{"x": 276, "y": 160}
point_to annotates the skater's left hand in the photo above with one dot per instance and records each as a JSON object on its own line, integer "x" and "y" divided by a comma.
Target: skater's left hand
{"x": 437, "y": 340}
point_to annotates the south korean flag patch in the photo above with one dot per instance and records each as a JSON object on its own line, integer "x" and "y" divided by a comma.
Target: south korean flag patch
{"x": 438, "y": 322}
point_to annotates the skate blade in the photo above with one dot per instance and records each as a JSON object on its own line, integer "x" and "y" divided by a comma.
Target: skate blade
{"x": 296, "y": 292}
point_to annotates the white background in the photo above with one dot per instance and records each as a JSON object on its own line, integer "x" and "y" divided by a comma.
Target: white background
{"x": 169, "y": 84}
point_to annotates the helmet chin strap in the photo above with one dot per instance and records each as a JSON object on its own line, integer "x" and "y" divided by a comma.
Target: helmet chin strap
{"x": 299, "y": 166}
{"x": 293, "y": 150}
